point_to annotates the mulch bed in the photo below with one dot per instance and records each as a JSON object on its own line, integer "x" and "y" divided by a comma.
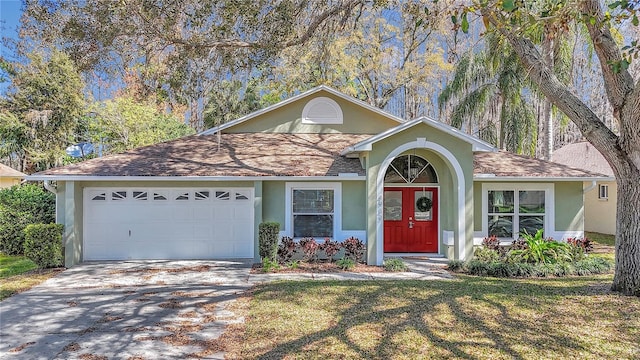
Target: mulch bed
{"x": 319, "y": 267}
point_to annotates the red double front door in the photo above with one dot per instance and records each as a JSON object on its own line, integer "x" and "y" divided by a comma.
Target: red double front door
{"x": 411, "y": 219}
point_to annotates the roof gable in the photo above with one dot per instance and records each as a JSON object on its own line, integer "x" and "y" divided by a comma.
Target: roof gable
{"x": 241, "y": 124}
{"x": 6, "y": 171}
{"x": 366, "y": 145}
{"x": 582, "y": 155}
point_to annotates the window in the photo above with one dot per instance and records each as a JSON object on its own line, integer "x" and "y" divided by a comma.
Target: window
{"x": 314, "y": 209}
{"x": 511, "y": 210}
{"x": 140, "y": 195}
{"x": 410, "y": 169}
{"x": 603, "y": 192}
{"x": 118, "y": 195}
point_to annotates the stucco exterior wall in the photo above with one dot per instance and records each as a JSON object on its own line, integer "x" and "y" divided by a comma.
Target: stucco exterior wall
{"x": 288, "y": 119}
{"x": 569, "y": 207}
{"x": 600, "y": 214}
{"x": 6, "y": 181}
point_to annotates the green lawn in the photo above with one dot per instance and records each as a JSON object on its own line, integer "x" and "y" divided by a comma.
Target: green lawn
{"x": 468, "y": 318}
{"x": 465, "y": 318}
{"x": 18, "y": 274}
{"x": 603, "y": 239}
{"x": 14, "y": 265}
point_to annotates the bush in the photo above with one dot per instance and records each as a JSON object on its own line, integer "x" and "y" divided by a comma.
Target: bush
{"x": 286, "y": 249}
{"x": 346, "y": 263}
{"x": 486, "y": 254}
{"x": 43, "y": 244}
{"x": 456, "y": 265}
{"x": 269, "y": 265}
{"x": 20, "y": 206}
{"x": 268, "y": 240}
{"x": 330, "y": 248}
{"x": 540, "y": 250}
{"x": 593, "y": 265}
{"x": 310, "y": 248}
{"x": 395, "y": 264}
{"x": 354, "y": 249}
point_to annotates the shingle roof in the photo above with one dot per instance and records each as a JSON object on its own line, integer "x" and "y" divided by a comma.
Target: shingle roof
{"x": 582, "y": 155}
{"x": 6, "y": 171}
{"x": 241, "y": 154}
{"x": 264, "y": 154}
{"x": 506, "y": 164}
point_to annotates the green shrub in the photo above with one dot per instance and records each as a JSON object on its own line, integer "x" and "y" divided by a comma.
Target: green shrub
{"x": 20, "y": 206}
{"x": 593, "y": 265}
{"x": 346, "y": 263}
{"x": 455, "y": 265}
{"x": 268, "y": 240}
{"x": 486, "y": 254}
{"x": 541, "y": 250}
{"x": 395, "y": 264}
{"x": 43, "y": 244}
{"x": 293, "y": 264}
{"x": 269, "y": 265}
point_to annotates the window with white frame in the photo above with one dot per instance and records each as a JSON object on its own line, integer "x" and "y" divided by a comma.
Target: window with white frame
{"x": 313, "y": 209}
{"x": 603, "y": 192}
{"x": 511, "y": 210}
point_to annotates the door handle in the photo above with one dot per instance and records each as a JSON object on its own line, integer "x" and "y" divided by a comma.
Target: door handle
{"x": 410, "y": 224}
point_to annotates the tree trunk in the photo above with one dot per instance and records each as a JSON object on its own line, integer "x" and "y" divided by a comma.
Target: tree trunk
{"x": 627, "y": 273}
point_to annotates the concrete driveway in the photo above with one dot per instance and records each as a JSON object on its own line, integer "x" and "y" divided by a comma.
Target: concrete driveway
{"x": 125, "y": 310}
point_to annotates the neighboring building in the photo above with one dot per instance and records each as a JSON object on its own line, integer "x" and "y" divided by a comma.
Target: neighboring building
{"x": 9, "y": 176}
{"x": 322, "y": 164}
{"x": 600, "y": 197}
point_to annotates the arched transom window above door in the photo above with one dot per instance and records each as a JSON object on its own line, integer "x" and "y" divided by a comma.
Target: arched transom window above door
{"x": 410, "y": 169}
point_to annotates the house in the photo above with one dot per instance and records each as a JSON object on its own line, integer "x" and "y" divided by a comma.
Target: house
{"x": 600, "y": 196}
{"x": 9, "y": 176}
{"x": 321, "y": 164}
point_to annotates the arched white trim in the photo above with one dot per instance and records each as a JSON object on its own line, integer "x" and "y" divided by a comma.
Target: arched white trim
{"x": 421, "y": 143}
{"x": 322, "y": 110}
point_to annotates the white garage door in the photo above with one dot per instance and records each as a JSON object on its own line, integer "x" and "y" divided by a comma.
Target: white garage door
{"x": 167, "y": 223}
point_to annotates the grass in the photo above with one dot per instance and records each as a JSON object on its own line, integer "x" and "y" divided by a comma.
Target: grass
{"x": 18, "y": 274}
{"x": 603, "y": 239}
{"x": 465, "y": 318}
{"x": 470, "y": 317}
{"x": 604, "y": 244}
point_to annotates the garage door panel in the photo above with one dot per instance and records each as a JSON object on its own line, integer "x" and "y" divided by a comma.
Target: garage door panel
{"x": 153, "y": 224}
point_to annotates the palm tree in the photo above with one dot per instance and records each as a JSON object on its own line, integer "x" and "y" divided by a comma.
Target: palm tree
{"x": 491, "y": 98}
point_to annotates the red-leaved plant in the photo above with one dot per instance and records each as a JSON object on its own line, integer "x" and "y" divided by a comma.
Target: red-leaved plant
{"x": 310, "y": 248}
{"x": 330, "y": 248}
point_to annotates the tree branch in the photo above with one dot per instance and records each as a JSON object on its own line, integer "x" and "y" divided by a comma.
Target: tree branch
{"x": 345, "y": 7}
{"x": 618, "y": 84}
{"x": 592, "y": 128}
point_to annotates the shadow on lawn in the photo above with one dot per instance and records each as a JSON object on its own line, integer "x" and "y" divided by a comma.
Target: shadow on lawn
{"x": 468, "y": 318}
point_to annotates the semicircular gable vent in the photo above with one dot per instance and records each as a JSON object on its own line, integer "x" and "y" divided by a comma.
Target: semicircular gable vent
{"x": 322, "y": 110}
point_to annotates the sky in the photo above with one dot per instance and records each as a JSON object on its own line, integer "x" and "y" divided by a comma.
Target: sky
{"x": 10, "y": 11}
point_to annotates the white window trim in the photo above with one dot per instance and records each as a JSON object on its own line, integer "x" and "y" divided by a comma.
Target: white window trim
{"x": 338, "y": 119}
{"x": 549, "y": 203}
{"x": 337, "y": 204}
{"x": 606, "y": 190}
